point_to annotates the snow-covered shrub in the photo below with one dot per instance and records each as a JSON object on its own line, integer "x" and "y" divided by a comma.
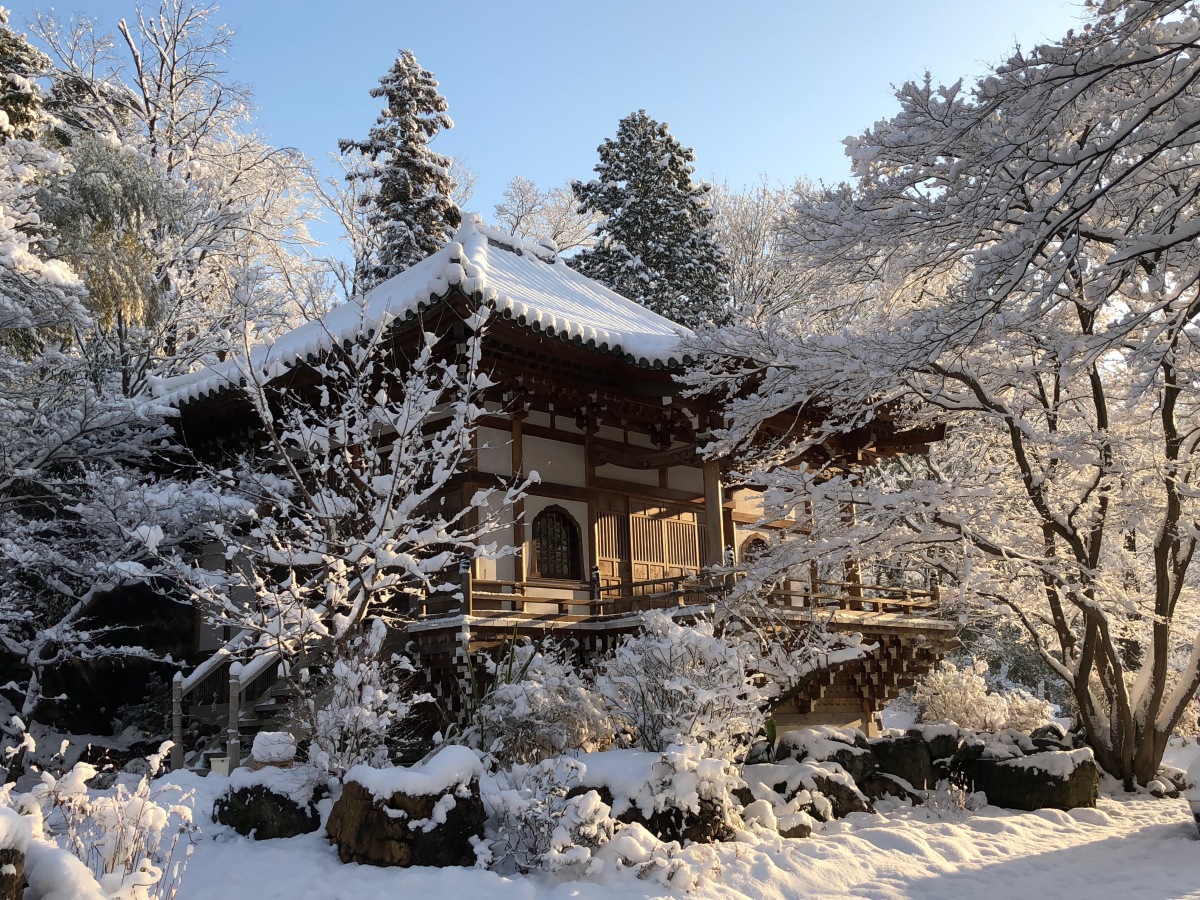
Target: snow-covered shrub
{"x": 684, "y": 684}
{"x": 357, "y": 706}
{"x": 952, "y": 801}
{"x": 679, "y": 780}
{"x": 135, "y": 841}
{"x": 666, "y": 863}
{"x": 538, "y": 704}
{"x": 540, "y": 825}
{"x": 961, "y": 695}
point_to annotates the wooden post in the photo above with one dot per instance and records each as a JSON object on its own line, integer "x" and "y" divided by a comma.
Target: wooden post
{"x": 589, "y": 481}
{"x": 714, "y": 516}
{"x": 814, "y": 571}
{"x": 851, "y": 566}
{"x": 233, "y": 737}
{"x": 464, "y": 584}
{"x": 518, "y": 508}
{"x": 177, "y": 722}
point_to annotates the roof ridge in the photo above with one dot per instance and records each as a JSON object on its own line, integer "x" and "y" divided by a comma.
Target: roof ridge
{"x": 521, "y": 280}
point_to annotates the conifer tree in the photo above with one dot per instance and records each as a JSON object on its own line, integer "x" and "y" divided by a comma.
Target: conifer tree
{"x": 656, "y": 244}
{"x": 20, "y": 98}
{"x": 410, "y": 204}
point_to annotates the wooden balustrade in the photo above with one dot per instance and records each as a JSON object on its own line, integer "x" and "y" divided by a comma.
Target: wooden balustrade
{"x": 611, "y": 597}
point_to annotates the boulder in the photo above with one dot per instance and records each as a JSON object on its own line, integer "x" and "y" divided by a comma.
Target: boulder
{"x": 429, "y": 815}
{"x": 12, "y": 873}
{"x": 906, "y": 757}
{"x": 1051, "y": 731}
{"x": 273, "y": 748}
{"x": 1162, "y": 790}
{"x": 1176, "y": 780}
{"x": 392, "y": 832}
{"x": 847, "y": 747}
{"x": 880, "y": 785}
{"x": 1063, "y": 779}
{"x": 259, "y": 812}
{"x": 843, "y": 796}
{"x": 116, "y": 759}
{"x": 834, "y": 793}
{"x": 708, "y": 825}
{"x": 943, "y": 742}
{"x": 858, "y": 762}
{"x": 799, "y": 829}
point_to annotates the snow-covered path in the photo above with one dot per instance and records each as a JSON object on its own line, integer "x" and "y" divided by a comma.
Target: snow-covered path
{"x": 1137, "y": 847}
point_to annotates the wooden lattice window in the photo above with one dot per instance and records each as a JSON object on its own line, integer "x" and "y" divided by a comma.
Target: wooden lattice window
{"x": 754, "y": 548}
{"x": 556, "y": 545}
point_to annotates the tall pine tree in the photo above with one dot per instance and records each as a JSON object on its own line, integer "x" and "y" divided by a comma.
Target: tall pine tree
{"x": 409, "y": 204}
{"x": 20, "y": 98}
{"x": 656, "y": 243}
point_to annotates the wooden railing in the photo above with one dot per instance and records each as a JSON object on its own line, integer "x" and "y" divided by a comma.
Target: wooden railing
{"x": 220, "y": 678}
{"x": 612, "y": 597}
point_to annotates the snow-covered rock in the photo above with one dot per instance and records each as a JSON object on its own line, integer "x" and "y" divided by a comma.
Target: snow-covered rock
{"x": 677, "y": 795}
{"x": 428, "y": 815}
{"x": 273, "y": 748}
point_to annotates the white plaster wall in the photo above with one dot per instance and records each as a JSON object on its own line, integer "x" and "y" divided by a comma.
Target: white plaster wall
{"x": 504, "y": 568}
{"x": 748, "y": 501}
{"x": 686, "y": 478}
{"x": 633, "y": 476}
{"x": 641, "y": 440}
{"x": 495, "y": 451}
{"x": 610, "y": 432}
{"x": 578, "y": 511}
{"x": 567, "y": 424}
{"x": 555, "y": 461}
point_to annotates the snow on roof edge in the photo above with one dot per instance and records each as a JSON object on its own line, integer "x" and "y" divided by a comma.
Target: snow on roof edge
{"x": 557, "y": 301}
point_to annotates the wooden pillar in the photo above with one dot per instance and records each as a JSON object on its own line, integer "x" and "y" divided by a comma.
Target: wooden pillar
{"x": 714, "y": 514}
{"x": 465, "y": 573}
{"x": 233, "y": 742}
{"x": 814, "y": 571}
{"x": 851, "y": 566}
{"x": 177, "y": 722}
{"x": 518, "y": 508}
{"x": 589, "y": 482}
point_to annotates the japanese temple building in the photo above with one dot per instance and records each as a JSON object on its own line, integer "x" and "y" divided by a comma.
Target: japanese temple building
{"x": 627, "y": 515}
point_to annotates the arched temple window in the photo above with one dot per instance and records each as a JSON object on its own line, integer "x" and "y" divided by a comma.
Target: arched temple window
{"x": 556, "y": 545}
{"x": 753, "y": 548}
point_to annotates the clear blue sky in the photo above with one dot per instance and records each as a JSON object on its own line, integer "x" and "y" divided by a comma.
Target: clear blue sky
{"x": 753, "y": 87}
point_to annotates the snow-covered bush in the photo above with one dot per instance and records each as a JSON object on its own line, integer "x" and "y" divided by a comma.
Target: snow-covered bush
{"x": 538, "y": 704}
{"x": 678, "y": 868}
{"x": 541, "y": 825}
{"x": 135, "y": 841}
{"x": 961, "y": 695}
{"x": 684, "y": 684}
{"x": 357, "y": 705}
{"x": 680, "y": 779}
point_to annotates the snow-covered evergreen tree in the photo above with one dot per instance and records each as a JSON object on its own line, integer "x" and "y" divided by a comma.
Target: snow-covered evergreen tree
{"x": 21, "y": 100}
{"x": 656, "y": 244}
{"x": 411, "y": 206}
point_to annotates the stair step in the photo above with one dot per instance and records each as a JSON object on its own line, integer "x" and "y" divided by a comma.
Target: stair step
{"x": 271, "y": 714}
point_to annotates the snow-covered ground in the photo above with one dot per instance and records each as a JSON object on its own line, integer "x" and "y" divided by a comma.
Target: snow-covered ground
{"x": 1128, "y": 847}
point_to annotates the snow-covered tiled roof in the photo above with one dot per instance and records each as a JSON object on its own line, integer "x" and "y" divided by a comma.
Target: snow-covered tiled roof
{"x": 525, "y": 282}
